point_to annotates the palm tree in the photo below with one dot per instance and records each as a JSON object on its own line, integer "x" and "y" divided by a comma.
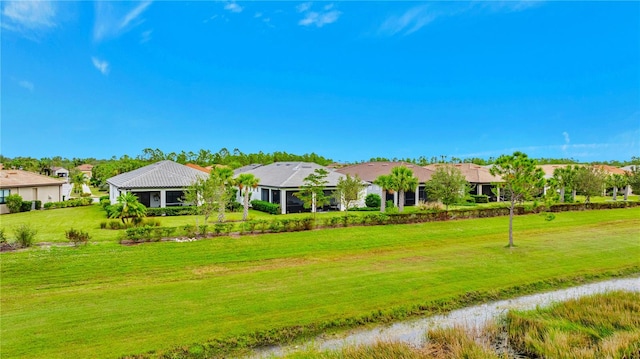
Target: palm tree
{"x": 246, "y": 181}
{"x": 403, "y": 180}
{"x": 222, "y": 178}
{"x": 79, "y": 180}
{"x": 618, "y": 181}
{"x": 386, "y": 184}
{"x": 128, "y": 208}
{"x": 565, "y": 178}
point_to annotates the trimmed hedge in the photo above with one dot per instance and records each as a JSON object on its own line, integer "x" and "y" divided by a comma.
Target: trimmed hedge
{"x": 171, "y": 211}
{"x": 480, "y": 198}
{"x": 78, "y": 202}
{"x": 25, "y": 206}
{"x": 264, "y": 206}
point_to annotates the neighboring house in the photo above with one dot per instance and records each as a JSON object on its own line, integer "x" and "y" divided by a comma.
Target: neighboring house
{"x": 370, "y": 171}
{"x": 86, "y": 169}
{"x": 199, "y": 168}
{"x": 30, "y": 186}
{"x": 60, "y": 172}
{"x": 161, "y": 184}
{"x": 481, "y": 181}
{"x": 280, "y": 180}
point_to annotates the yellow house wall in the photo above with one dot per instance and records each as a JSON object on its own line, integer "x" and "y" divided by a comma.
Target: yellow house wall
{"x": 45, "y": 194}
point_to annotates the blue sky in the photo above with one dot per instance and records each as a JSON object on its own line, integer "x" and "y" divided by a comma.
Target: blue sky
{"x": 347, "y": 80}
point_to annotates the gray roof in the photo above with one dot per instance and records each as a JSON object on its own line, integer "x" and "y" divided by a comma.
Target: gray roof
{"x": 290, "y": 174}
{"x": 163, "y": 174}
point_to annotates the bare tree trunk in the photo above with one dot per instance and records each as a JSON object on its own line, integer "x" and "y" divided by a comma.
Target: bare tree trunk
{"x": 245, "y": 213}
{"x": 383, "y": 202}
{"x": 615, "y": 193}
{"x": 401, "y": 201}
{"x": 562, "y": 194}
{"x": 573, "y": 195}
{"x": 626, "y": 192}
{"x": 511, "y": 224}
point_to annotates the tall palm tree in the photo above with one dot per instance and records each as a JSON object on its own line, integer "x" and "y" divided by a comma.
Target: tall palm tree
{"x": 403, "y": 180}
{"x": 246, "y": 181}
{"x": 78, "y": 179}
{"x": 386, "y": 184}
{"x": 222, "y": 178}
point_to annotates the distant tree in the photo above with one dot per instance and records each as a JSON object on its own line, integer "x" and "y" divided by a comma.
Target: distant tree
{"x": 590, "y": 181}
{"x": 403, "y": 180}
{"x": 312, "y": 191}
{"x": 348, "y": 191}
{"x": 565, "y": 179}
{"x": 128, "y": 209}
{"x": 633, "y": 176}
{"x": 246, "y": 181}
{"x": 385, "y": 182}
{"x": 618, "y": 181}
{"x": 447, "y": 185}
{"x": 521, "y": 178}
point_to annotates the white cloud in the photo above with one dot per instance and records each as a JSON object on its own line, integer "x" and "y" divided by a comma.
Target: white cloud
{"x": 303, "y": 7}
{"x": 29, "y": 18}
{"x": 319, "y": 19}
{"x": 257, "y": 15}
{"x": 145, "y": 36}
{"x": 101, "y": 65}
{"x": 112, "y": 20}
{"x": 233, "y": 7}
{"x": 511, "y": 6}
{"x": 26, "y": 84}
{"x": 567, "y": 140}
{"x": 411, "y": 21}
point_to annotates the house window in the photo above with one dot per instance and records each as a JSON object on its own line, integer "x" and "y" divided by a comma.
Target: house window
{"x": 4, "y": 193}
{"x": 175, "y": 198}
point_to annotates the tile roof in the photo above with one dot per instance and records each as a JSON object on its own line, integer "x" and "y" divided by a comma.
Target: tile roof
{"x": 85, "y": 167}
{"x": 288, "y": 174}
{"x": 369, "y": 171}
{"x": 19, "y": 178}
{"x": 472, "y": 173}
{"x": 199, "y": 168}
{"x": 163, "y": 174}
{"x": 611, "y": 169}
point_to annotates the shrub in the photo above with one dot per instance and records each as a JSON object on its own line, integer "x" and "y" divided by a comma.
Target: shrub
{"x": 429, "y": 206}
{"x": 171, "y": 211}
{"x": 14, "y": 203}
{"x": 372, "y": 200}
{"x": 480, "y": 198}
{"x": 85, "y": 194}
{"x": 264, "y": 206}
{"x": 25, "y": 206}
{"x": 234, "y": 206}
{"x": 3, "y": 237}
{"x": 25, "y": 235}
{"x": 38, "y": 204}
{"x": 103, "y": 198}
{"x": 48, "y": 205}
{"x": 364, "y": 209}
{"x": 77, "y": 236}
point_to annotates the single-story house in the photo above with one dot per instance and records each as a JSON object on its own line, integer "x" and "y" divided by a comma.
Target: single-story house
{"x": 161, "y": 184}
{"x": 481, "y": 181}
{"x": 370, "y": 171}
{"x": 30, "y": 186}
{"x": 86, "y": 169}
{"x": 280, "y": 180}
{"x": 60, "y": 172}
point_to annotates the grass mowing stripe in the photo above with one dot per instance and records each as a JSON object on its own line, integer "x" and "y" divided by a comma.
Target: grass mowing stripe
{"x": 108, "y": 300}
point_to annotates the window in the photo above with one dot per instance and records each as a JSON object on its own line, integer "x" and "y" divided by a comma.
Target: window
{"x": 4, "y": 193}
{"x": 175, "y": 198}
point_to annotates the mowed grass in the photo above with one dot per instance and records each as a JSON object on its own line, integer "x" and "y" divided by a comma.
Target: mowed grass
{"x": 107, "y": 300}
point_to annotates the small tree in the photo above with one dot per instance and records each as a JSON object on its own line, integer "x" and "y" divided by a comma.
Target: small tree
{"x": 590, "y": 181}
{"x": 221, "y": 182}
{"x": 246, "y": 181}
{"x": 447, "y": 185}
{"x": 25, "y": 235}
{"x": 14, "y": 202}
{"x": 128, "y": 209}
{"x": 402, "y": 180}
{"x": 618, "y": 181}
{"x": 633, "y": 177}
{"x": 521, "y": 180}
{"x": 565, "y": 179}
{"x": 348, "y": 191}
{"x": 385, "y": 182}
{"x": 312, "y": 191}
{"x": 78, "y": 179}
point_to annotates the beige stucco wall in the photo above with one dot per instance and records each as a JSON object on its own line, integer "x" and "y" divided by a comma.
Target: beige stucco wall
{"x": 45, "y": 194}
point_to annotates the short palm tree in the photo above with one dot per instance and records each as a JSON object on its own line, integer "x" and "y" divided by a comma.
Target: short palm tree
{"x": 128, "y": 208}
{"x": 78, "y": 179}
{"x": 403, "y": 180}
{"x": 246, "y": 181}
{"x": 222, "y": 181}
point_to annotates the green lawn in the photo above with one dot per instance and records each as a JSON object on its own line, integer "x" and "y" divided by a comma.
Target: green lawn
{"x": 107, "y": 300}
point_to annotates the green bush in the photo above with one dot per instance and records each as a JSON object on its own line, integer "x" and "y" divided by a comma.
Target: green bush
{"x": 264, "y": 206}
{"x": 14, "y": 203}
{"x": 48, "y": 205}
{"x": 480, "y": 198}
{"x": 77, "y": 236}
{"x": 372, "y": 200}
{"x": 38, "y": 204}
{"x": 77, "y": 202}
{"x": 103, "y": 198}
{"x": 171, "y": 211}
{"x": 3, "y": 237}
{"x": 25, "y": 235}
{"x": 364, "y": 209}
{"x": 25, "y": 206}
